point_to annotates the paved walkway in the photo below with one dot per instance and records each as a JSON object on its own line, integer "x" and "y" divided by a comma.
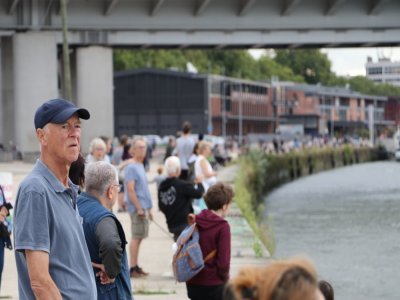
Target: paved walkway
{"x": 156, "y": 251}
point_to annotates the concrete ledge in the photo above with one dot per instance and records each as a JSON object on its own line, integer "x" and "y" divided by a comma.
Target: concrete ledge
{"x": 30, "y": 157}
{"x": 6, "y": 156}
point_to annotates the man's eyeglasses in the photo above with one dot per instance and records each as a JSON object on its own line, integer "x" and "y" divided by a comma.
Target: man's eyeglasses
{"x": 118, "y": 186}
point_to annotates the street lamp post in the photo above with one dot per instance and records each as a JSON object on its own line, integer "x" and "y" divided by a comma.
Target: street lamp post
{"x": 335, "y": 106}
{"x": 371, "y": 124}
{"x": 240, "y": 114}
{"x": 223, "y": 97}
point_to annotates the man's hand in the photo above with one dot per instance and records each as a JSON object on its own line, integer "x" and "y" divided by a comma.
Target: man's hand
{"x": 150, "y": 214}
{"x": 198, "y": 179}
{"x": 141, "y": 213}
{"x": 3, "y": 214}
{"x": 104, "y": 279}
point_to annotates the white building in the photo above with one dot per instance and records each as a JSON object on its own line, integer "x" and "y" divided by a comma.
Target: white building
{"x": 383, "y": 71}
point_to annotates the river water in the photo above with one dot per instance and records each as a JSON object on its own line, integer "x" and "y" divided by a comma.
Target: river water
{"x": 348, "y": 222}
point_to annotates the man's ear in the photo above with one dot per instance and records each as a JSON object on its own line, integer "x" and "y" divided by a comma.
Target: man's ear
{"x": 110, "y": 192}
{"x": 41, "y": 136}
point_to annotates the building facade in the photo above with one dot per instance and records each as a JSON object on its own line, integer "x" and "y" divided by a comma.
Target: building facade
{"x": 383, "y": 71}
{"x": 328, "y": 110}
{"x": 152, "y": 101}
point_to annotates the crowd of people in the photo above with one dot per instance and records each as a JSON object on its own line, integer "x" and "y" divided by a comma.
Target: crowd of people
{"x": 70, "y": 245}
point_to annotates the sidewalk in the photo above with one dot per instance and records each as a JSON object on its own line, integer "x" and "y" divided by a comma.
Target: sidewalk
{"x": 156, "y": 251}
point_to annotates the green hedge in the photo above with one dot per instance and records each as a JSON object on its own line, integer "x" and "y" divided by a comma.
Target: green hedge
{"x": 261, "y": 173}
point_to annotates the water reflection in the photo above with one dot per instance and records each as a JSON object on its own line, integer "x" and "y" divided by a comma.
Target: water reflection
{"x": 348, "y": 221}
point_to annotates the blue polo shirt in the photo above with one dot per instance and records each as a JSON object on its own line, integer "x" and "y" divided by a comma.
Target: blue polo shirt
{"x": 135, "y": 172}
{"x": 46, "y": 219}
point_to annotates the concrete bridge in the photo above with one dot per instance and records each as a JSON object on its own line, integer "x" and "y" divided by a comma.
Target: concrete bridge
{"x": 30, "y": 39}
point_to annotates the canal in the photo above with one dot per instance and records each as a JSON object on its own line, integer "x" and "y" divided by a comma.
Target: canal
{"x": 348, "y": 222}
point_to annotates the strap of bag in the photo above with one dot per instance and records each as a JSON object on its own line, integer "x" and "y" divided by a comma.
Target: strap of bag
{"x": 7, "y": 204}
{"x": 210, "y": 255}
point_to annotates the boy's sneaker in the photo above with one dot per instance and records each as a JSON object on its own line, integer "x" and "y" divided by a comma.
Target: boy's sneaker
{"x": 137, "y": 272}
{"x": 140, "y": 271}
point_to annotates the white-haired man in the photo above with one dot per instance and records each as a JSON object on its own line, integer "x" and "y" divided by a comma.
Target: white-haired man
{"x": 105, "y": 237}
{"x": 175, "y": 196}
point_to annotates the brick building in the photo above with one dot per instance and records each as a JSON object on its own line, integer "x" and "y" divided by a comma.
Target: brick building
{"x": 325, "y": 110}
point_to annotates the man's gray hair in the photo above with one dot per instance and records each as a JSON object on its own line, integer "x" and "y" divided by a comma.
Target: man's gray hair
{"x": 172, "y": 165}
{"x": 137, "y": 139}
{"x": 99, "y": 176}
{"x": 97, "y": 142}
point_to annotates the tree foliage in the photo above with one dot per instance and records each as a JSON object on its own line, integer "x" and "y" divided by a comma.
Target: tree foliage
{"x": 312, "y": 64}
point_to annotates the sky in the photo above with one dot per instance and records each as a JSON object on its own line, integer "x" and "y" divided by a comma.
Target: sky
{"x": 351, "y": 61}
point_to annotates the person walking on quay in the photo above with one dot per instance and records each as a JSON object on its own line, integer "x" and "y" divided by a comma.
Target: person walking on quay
{"x": 105, "y": 237}
{"x": 138, "y": 202}
{"x": 214, "y": 232}
{"x": 175, "y": 197}
{"x": 170, "y": 147}
{"x": 184, "y": 149}
{"x": 202, "y": 166}
{"x": 5, "y": 240}
{"x": 52, "y": 258}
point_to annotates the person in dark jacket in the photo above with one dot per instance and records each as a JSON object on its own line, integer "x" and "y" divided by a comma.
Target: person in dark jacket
{"x": 214, "y": 234}
{"x": 105, "y": 237}
{"x": 175, "y": 196}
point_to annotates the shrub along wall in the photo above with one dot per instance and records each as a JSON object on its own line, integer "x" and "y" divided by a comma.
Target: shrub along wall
{"x": 261, "y": 173}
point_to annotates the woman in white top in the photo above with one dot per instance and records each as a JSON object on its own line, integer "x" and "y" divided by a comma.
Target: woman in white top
{"x": 202, "y": 166}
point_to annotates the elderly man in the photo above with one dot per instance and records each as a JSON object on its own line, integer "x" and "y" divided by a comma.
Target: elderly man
{"x": 175, "y": 196}
{"x": 52, "y": 258}
{"x": 138, "y": 201}
{"x": 104, "y": 234}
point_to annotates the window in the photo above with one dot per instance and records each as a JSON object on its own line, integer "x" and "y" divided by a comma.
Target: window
{"x": 342, "y": 114}
{"x": 392, "y": 70}
{"x": 374, "y": 70}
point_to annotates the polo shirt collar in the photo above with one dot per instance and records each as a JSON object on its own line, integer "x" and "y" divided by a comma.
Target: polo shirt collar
{"x": 53, "y": 181}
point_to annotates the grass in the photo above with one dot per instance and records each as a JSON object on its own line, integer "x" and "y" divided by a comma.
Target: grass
{"x": 142, "y": 290}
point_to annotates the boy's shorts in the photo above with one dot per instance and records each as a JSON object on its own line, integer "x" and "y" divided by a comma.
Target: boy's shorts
{"x": 139, "y": 226}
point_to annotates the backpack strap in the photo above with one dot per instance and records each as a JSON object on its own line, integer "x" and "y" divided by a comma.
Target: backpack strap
{"x": 210, "y": 255}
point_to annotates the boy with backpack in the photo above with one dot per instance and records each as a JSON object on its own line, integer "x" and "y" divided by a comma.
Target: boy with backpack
{"x": 215, "y": 243}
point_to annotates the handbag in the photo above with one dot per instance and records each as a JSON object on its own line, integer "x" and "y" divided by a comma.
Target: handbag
{"x": 4, "y": 231}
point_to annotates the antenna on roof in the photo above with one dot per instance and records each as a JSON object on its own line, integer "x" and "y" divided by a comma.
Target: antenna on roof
{"x": 382, "y": 56}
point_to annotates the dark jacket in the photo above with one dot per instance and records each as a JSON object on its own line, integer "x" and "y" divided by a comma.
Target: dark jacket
{"x": 175, "y": 200}
{"x": 214, "y": 234}
{"x": 92, "y": 213}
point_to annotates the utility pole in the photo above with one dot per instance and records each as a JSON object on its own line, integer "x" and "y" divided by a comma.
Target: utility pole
{"x": 223, "y": 109}
{"x": 66, "y": 63}
{"x": 240, "y": 114}
{"x": 209, "y": 84}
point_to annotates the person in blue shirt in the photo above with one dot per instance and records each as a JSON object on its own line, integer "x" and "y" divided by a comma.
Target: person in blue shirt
{"x": 52, "y": 258}
{"x": 104, "y": 234}
{"x": 138, "y": 202}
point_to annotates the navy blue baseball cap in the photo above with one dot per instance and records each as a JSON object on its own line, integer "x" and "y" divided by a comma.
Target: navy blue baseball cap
{"x": 58, "y": 111}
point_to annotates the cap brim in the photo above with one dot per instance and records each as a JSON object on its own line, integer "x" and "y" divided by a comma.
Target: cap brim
{"x": 67, "y": 113}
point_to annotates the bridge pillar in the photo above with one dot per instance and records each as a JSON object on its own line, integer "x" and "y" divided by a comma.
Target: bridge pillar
{"x": 34, "y": 80}
{"x": 6, "y": 95}
{"x": 94, "y": 91}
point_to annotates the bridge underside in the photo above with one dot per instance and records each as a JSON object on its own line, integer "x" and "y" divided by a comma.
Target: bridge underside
{"x": 211, "y": 23}
{"x": 30, "y": 39}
